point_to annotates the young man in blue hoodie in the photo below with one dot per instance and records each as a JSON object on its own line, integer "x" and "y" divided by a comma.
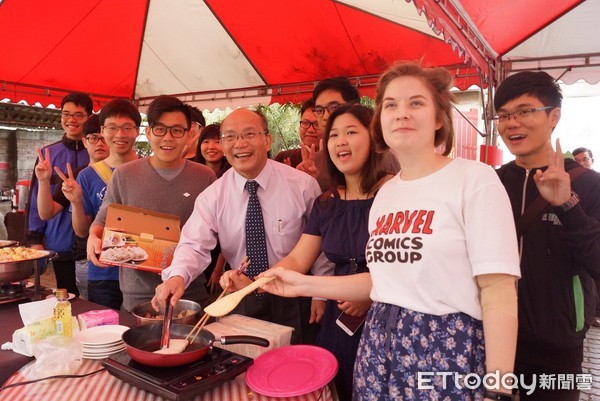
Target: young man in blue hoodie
{"x": 57, "y": 233}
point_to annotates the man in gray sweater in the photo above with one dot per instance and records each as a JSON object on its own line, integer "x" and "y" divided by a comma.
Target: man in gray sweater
{"x": 164, "y": 182}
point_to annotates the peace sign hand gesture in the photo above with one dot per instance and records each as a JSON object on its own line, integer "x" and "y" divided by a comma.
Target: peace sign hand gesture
{"x": 554, "y": 184}
{"x": 70, "y": 187}
{"x": 308, "y": 160}
{"x": 191, "y": 143}
{"x": 43, "y": 169}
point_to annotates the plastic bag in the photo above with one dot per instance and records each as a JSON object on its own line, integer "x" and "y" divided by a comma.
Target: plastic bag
{"x": 55, "y": 355}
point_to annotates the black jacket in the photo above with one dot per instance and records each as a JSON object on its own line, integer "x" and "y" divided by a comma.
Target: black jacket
{"x": 560, "y": 257}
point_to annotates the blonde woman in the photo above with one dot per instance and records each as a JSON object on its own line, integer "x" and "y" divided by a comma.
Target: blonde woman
{"x": 442, "y": 256}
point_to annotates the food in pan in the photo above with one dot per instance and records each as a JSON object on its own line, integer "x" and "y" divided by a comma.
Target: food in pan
{"x": 19, "y": 253}
{"x": 181, "y": 314}
{"x": 176, "y": 346}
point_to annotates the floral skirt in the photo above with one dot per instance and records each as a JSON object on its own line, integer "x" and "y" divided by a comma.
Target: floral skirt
{"x": 403, "y": 355}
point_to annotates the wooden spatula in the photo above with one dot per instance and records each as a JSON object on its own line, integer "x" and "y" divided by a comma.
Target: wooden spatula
{"x": 226, "y": 304}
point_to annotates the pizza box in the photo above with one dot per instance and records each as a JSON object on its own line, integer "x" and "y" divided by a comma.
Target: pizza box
{"x": 138, "y": 238}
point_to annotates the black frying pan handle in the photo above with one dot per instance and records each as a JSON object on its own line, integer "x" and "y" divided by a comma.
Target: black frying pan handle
{"x": 263, "y": 342}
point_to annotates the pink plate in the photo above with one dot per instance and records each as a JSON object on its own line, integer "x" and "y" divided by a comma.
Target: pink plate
{"x": 291, "y": 371}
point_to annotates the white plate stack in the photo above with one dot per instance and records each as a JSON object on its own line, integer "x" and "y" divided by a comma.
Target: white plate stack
{"x": 101, "y": 341}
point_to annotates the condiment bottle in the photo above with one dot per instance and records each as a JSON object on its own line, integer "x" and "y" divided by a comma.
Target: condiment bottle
{"x": 62, "y": 313}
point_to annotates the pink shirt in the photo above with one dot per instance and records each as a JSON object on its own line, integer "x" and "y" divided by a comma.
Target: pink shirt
{"x": 286, "y": 196}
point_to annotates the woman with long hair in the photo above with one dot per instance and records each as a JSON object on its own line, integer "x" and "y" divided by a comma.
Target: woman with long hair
{"x": 338, "y": 227}
{"x": 209, "y": 150}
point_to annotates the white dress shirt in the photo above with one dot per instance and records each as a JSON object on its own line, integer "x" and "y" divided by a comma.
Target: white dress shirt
{"x": 286, "y": 197}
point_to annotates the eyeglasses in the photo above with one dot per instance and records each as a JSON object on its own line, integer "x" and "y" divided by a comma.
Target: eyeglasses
{"x": 176, "y": 130}
{"x": 230, "y": 138}
{"x": 519, "y": 115}
{"x": 93, "y": 139}
{"x": 319, "y": 111}
{"x": 306, "y": 124}
{"x": 76, "y": 116}
{"x": 113, "y": 129}
{"x": 582, "y": 159}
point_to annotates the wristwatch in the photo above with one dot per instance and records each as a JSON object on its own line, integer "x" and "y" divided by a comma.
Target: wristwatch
{"x": 570, "y": 204}
{"x": 492, "y": 395}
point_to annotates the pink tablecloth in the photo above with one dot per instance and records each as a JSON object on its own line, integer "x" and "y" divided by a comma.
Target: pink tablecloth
{"x": 104, "y": 386}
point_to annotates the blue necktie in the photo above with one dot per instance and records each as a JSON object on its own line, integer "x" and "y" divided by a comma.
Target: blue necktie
{"x": 256, "y": 243}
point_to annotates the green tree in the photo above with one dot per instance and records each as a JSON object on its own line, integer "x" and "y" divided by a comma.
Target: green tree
{"x": 368, "y": 102}
{"x": 283, "y": 122}
{"x": 143, "y": 149}
{"x": 283, "y": 125}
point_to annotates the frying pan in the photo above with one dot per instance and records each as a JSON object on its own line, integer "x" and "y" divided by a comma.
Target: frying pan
{"x": 21, "y": 269}
{"x": 142, "y": 341}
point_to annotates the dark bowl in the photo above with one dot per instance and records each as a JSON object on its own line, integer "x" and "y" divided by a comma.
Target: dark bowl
{"x": 185, "y": 312}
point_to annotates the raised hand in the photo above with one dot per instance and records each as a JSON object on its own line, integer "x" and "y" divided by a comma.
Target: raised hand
{"x": 190, "y": 143}
{"x": 43, "y": 169}
{"x": 554, "y": 184}
{"x": 70, "y": 187}
{"x": 230, "y": 279}
{"x": 308, "y": 160}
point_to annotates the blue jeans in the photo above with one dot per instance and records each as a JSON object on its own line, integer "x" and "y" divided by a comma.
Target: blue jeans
{"x": 81, "y": 277}
{"x": 106, "y": 293}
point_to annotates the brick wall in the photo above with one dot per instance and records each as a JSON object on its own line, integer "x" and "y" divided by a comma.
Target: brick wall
{"x": 8, "y": 176}
{"x": 18, "y": 153}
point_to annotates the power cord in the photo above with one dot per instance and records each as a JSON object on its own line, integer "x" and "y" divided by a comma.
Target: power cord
{"x": 50, "y": 377}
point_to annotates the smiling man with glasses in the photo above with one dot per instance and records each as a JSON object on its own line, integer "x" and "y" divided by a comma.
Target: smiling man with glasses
{"x": 559, "y": 233}
{"x": 163, "y": 182}
{"x": 50, "y": 204}
{"x": 119, "y": 120}
{"x": 331, "y": 93}
{"x": 310, "y": 134}
{"x": 228, "y": 212}
{"x": 328, "y": 95}
{"x": 57, "y": 233}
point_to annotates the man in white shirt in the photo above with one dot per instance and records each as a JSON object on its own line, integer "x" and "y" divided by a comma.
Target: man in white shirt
{"x": 286, "y": 197}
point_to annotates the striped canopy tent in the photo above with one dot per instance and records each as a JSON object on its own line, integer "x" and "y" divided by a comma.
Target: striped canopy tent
{"x": 217, "y": 53}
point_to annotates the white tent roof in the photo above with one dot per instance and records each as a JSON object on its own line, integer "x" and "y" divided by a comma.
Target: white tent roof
{"x": 572, "y": 41}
